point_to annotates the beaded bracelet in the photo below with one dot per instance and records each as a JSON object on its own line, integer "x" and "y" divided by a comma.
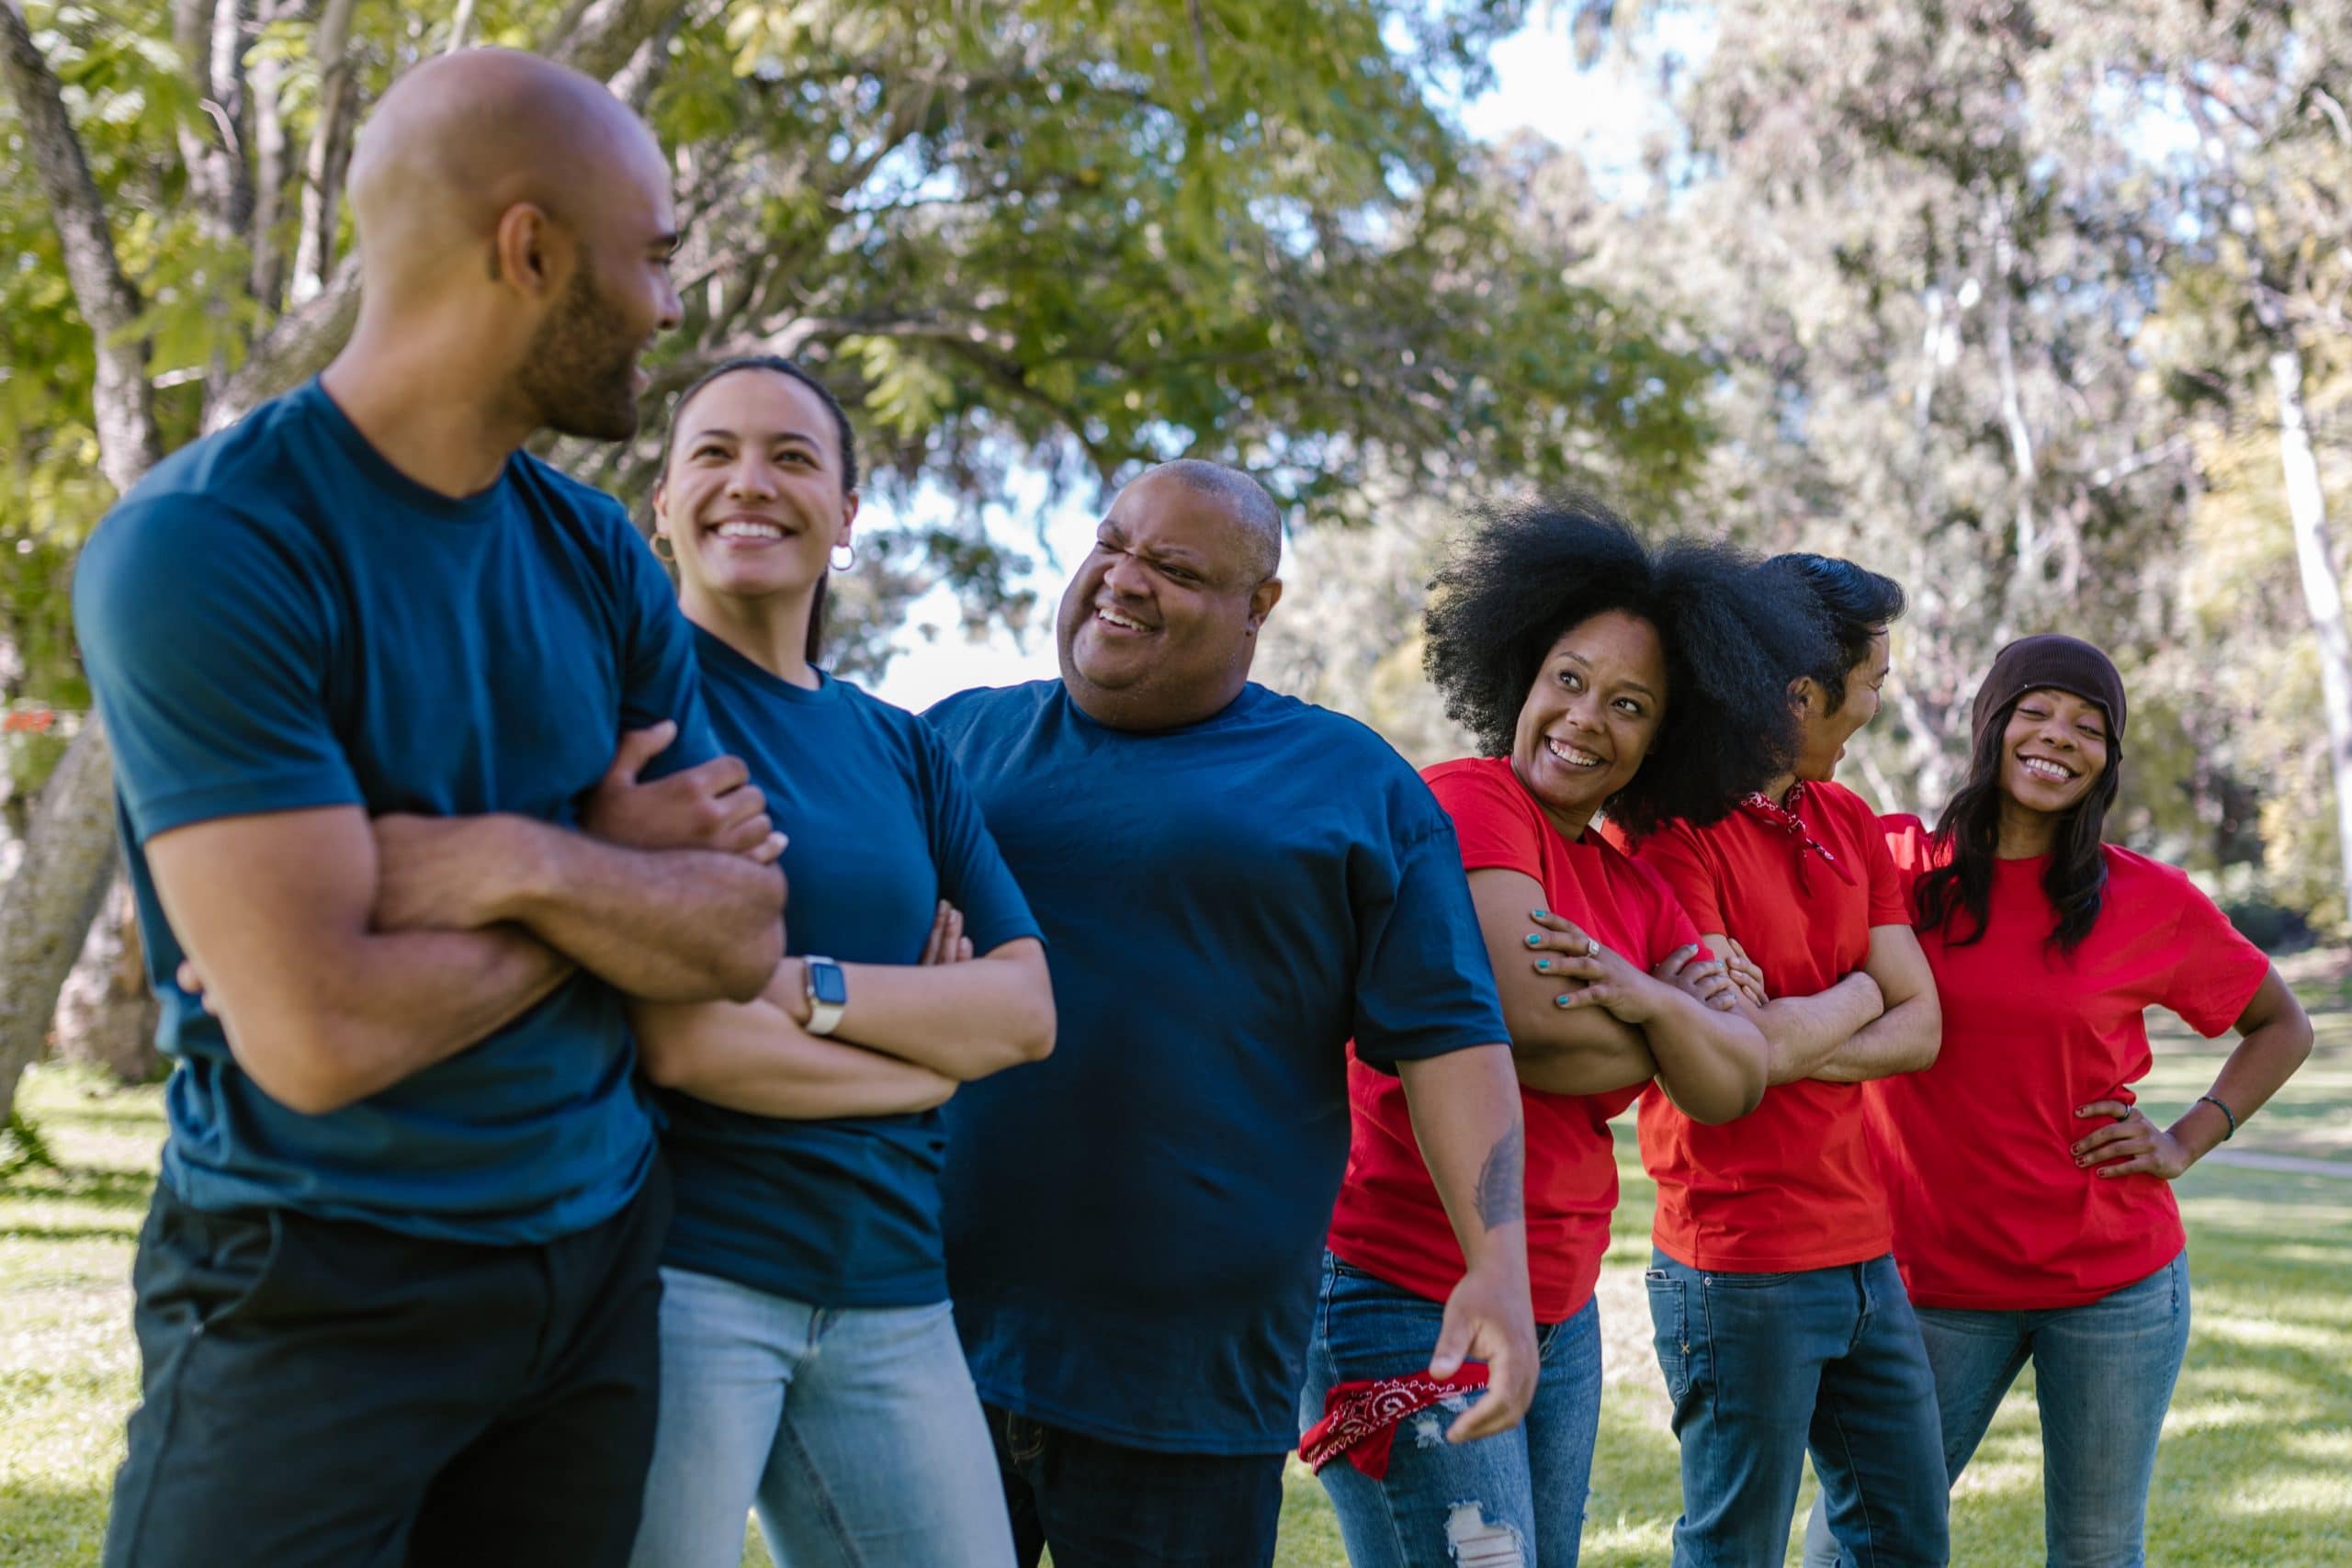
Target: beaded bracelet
{"x": 2226, "y": 1113}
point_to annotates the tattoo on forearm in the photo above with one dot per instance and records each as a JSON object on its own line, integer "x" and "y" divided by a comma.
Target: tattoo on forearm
{"x": 1502, "y": 1182}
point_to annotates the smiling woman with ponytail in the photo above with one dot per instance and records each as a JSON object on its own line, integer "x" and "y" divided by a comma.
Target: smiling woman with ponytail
{"x": 2034, "y": 1217}
{"x": 809, "y": 1360}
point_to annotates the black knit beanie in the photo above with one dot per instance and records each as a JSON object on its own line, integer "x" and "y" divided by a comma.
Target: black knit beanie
{"x": 2052, "y": 662}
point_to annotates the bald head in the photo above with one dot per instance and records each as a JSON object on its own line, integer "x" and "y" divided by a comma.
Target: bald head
{"x": 514, "y": 231}
{"x": 1242, "y": 498}
{"x": 463, "y": 137}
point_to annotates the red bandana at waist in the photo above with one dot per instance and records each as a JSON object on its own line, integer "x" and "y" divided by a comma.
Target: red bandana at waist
{"x": 1360, "y": 1418}
{"x": 1788, "y": 821}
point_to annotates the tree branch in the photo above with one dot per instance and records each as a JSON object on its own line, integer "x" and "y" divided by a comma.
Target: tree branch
{"x": 599, "y": 37}
{"x": 297, "y": 345}
{"x": 128, "y": 443}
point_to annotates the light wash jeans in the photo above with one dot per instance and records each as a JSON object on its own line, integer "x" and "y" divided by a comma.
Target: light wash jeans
{"x": 853, "y": 1431}
{"x": 1514, "y": 1499}
{"x": 1763, "y": 1368}
{"x": 2103, "y": 1376}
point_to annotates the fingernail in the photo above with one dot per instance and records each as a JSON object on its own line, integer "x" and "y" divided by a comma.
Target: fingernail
{"x": 1540, "y": 914}
{"x": 1559, "y": 1002}
{"x": 1533, "y": 940}
{"x": 1543, "y": 963}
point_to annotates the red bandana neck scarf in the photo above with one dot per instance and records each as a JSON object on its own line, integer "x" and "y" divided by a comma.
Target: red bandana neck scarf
{"x": 1787, "y": 819}
{"x": 1360, "y": 1418}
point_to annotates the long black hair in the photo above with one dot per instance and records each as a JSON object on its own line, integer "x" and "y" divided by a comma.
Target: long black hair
{"x": 2075, "y": 879}
{"x": 843, "y": 437}
{"x": 1522, "y": 577}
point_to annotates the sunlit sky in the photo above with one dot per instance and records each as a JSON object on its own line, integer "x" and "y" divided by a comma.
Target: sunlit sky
{"x": 1602, "y": 113}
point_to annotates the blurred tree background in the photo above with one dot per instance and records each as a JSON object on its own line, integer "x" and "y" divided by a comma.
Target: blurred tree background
{"x": 2039, "y": 306}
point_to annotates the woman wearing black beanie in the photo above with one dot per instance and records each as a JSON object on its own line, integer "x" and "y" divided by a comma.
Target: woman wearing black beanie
{"x": 2034, "y": 1216}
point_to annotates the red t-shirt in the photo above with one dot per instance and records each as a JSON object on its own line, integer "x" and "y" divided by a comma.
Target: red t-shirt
{"x": 1789, "y": 1186}
{"x": 1388, "y": 1221}
{"x": 1990, "y": 1209}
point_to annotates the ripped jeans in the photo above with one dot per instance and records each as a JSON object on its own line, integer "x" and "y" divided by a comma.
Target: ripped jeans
{"x": 1509, "y": 1501}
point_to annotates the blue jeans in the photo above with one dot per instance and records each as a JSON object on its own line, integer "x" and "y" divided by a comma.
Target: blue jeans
{"x": 1763, "y": 1367}
{"x": 854, "y": 1431}
{"x": 2103, "y": 1376}
{"x": 1514, "y": 1498}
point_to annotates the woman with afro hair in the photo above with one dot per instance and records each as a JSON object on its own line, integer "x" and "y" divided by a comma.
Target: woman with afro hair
{"x": 1598, "y": 674}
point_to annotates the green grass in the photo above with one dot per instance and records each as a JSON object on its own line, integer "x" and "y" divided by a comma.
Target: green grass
{"x": 2257, "y": 1464}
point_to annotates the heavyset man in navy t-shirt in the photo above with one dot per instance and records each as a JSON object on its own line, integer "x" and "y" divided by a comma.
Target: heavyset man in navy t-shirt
{"x": 1232, "y": 884}
{"x": 364, "y": 666}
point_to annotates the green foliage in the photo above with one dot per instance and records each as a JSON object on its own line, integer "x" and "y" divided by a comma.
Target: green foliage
{"x": 1065, "y": 235}
{"x": 22, "y": 1146}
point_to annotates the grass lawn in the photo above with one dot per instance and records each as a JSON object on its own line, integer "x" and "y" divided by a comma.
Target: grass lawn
{"x": 2257, "y": 1465}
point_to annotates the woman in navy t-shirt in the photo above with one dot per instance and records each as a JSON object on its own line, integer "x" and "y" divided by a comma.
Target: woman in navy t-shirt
{"x": 809, "y": 1361}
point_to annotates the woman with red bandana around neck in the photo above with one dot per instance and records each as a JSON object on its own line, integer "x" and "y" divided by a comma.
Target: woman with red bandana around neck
{"x": 1596, "y": 673}
{"x": 2050, "y": 1233}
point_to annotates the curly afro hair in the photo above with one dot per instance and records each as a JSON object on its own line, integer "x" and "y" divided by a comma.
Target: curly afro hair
{"x": 1734, "y": 638}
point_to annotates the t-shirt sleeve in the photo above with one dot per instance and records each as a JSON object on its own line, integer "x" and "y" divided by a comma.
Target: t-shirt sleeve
{"x": 1492, "y": 821}
{"x": 2215, "y": 969}
{"x": 659, "y": 678}
{"x": 1424, "y": 986}
{"x": 207, "y": 646}
{"x": 1669, "y": 927}
{"x": 972, "y": 874}
{"x": 1673, "y": 853}
{"x": 1890, "y": 901}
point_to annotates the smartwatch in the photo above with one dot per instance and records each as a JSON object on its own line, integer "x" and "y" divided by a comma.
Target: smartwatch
{"x": 827, "y": 993}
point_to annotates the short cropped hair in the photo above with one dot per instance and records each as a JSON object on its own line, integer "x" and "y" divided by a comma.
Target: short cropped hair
{"x": 1856, "y": 603}
{"x": 1245, "y": 500}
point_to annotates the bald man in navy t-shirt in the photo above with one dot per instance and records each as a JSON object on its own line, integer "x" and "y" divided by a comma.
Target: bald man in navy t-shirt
{"x": 1232, "y": 885}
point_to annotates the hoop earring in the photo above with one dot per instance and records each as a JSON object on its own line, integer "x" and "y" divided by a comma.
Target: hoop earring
{"x": 840, "y": 564}
{"x": 663, "y": 548}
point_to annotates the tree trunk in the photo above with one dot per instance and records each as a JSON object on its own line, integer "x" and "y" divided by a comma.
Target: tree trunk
{"x": 330, "y": 149}
{"x": 232, "y": 115}
{"x": 107, "y": 1014}
{"x": 69, "y": 850}
{"x": 69, "y": 858}
{"x": 123, "y": 406}
{"x": 2322, "y": 593}
{"x": 267, "y": 281}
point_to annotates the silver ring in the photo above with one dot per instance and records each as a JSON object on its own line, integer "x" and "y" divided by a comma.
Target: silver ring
{"x": 1591, "y": 948}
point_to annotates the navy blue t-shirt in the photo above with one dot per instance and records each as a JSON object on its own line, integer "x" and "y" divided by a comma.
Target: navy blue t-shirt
{"x": 276, "y": 618}
{"x": 842, "y": 1213}
{"x": 1134, "y": 1223}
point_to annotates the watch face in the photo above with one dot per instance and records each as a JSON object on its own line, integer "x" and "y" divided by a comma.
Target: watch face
{"x": 828, "y": 984}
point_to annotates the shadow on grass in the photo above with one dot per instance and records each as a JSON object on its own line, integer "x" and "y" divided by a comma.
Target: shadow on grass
{"x": 101, "y": 1186}
{"x": 122, "y": 1233}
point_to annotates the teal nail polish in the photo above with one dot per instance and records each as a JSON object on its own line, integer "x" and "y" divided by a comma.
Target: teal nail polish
{"x": 1540, "y": 914}
{"x": 1559, "y": 1002}
{"x": 1542, "y": 964}
{"x": 1533, "y": 940}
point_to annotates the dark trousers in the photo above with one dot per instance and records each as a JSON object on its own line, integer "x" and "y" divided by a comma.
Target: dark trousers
{"x": 1099, "y": 1505}
{"x": 324, "y": 1391}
